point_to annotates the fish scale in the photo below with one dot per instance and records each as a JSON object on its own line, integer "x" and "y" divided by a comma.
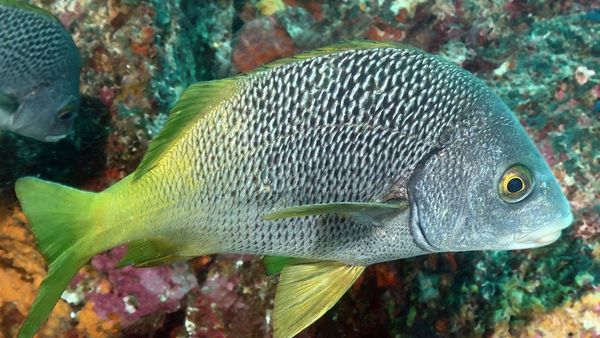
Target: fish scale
{"x": 19, "y": 32}
{"x": 39, "y": 73}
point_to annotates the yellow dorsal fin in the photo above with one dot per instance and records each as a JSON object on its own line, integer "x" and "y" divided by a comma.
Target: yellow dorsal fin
{"x": 336, "y": 48}
{"x": 194, "y": 104}
{"x": 28, "y": 7}
{"x": 306, "y": 291}
{"x": 199, "y": 98}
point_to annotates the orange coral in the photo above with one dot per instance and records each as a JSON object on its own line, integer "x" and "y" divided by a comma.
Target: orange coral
{"x": 381, "y": 31}
{"x": 92, "y": 326}
{"x": 21, "y": 271}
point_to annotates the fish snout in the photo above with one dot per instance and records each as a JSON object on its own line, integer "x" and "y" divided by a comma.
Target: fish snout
{"x": 544, "y": 235}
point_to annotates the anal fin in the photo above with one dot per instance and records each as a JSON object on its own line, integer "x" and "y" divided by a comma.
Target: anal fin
{"x": 163, "y": 261}
{"x": 306, "y": 291}
{"x": 150, "y": 252}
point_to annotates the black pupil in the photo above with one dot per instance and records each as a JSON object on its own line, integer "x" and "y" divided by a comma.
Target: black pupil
{"x": 65, "y": 115}
{"x": 514, "y": 185}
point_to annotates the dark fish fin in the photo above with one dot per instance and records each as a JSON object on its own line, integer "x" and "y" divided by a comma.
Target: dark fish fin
{"x": 148, "y": 252}
{"x": 336, "y": 48}
{"x": 306, "y": 291}
{"x": 24, "y": 5}
{"x": 8, "y": 103}
{"x": 364, "y": 213}
{"x": 199, "y": 98}
{"x": 195, "y": 103}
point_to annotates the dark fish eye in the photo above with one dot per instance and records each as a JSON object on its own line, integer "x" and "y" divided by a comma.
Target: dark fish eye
{"x": 516, "y": 184}
{"x": 66, "y": 113}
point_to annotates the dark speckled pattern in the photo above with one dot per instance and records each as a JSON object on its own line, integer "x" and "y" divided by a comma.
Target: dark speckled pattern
{"x": 33, "y": 47}
{"x": 344, "y": 127}
{"x": 39, "y": 66}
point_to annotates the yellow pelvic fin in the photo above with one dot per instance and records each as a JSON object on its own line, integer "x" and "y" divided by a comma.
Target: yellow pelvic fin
{"x": 306, "y": 291}
{"x": 364, "y": 213}
{"x": 195, "y": 103}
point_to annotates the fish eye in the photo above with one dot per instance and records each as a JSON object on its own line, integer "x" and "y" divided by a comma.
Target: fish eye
{"x": 516, "y": 184}
{"x": 66, "y": 113}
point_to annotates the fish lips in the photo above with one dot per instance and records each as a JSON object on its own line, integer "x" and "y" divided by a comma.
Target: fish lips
{"x": 53, "y": 139}
{"x": 543, "y": 236}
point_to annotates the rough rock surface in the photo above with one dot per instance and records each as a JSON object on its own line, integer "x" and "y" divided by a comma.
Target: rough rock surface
{"x": 541, "y": 57}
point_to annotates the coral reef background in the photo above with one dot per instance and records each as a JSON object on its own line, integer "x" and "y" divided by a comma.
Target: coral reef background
{"x": 541, "y": 57}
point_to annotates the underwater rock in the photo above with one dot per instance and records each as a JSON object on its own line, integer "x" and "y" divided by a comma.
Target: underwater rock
{"x": 260, "y": 41}
{"x": 139, "y": 56}
{"x": 22, "y": 269}
{"x": 195, "y": 39}
{"x": 579, "y": 318}
{"x": 119, "y": 299}
{"x": 233, "y": 301}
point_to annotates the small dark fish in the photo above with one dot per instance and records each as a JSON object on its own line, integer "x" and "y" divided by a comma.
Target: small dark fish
{"x": 39, "y": 73}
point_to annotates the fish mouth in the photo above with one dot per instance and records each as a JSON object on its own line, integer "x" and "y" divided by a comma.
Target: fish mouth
{"x": 54, "y": 138}
{"x": 537, "y": 239}
{"x": 545, "y": 235}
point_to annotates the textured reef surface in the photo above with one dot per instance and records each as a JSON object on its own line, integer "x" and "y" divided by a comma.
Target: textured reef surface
{"x": 541, "y": 57}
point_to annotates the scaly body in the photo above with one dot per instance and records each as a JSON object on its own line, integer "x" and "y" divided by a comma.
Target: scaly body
{"x": 348, "y": 127}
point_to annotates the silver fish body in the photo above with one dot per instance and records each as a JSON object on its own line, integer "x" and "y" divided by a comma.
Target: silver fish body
{"x": 370, "y": 125}
{"x": 39, "y": 73}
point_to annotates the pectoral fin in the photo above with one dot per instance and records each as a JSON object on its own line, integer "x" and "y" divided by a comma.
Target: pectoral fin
{"x": 365, "y": 213}
{"x": 306, "y": 291}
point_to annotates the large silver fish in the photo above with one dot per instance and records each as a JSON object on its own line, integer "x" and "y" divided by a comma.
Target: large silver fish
{"x": 39, "y": 73}
{"x": 335, "y": 160}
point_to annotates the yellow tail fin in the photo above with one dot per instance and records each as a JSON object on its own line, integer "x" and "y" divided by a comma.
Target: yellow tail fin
{"x": 62, "y": 220}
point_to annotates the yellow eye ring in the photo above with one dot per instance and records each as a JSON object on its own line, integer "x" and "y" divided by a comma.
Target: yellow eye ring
{"x": 516, "y": 184}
